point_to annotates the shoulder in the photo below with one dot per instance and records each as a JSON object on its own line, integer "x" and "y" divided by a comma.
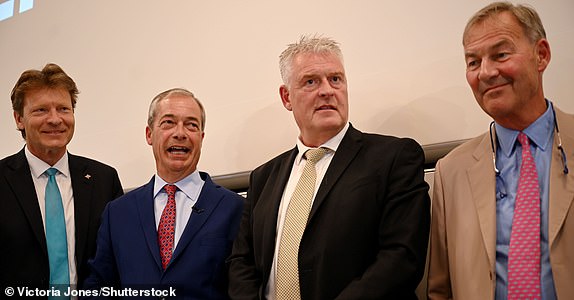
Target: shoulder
{"x": 11, "y": 159}
{"x": 218, "y": 189}
{"x": 131, "y": 198}
{"x": 462, "y": 154}
{"x": 354, "y": 135}
{"x": 565, "y": 121}
{"x": 76, "y": 160}
{"x": 375, "y": 144}
{"x": 275, "y": 162}
{"x": 390, "y": 141}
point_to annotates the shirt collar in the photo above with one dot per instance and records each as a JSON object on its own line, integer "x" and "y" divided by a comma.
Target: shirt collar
{"x": 540, "y": 132}
{"x": 38, "y": 166}
{"x": 332, "y": 144}
{"x": 188, "y": 185}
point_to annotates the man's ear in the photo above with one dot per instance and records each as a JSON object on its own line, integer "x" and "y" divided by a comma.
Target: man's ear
{"x": 18, "y": 119}
{"x": 148, "y": 135}
{"x": 543, "y": 54}
{"x": 284, "y": 93}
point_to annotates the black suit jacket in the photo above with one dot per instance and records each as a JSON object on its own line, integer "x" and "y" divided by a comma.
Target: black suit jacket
{"x": 23, "y": 252}
{"x": 367, "y": 233}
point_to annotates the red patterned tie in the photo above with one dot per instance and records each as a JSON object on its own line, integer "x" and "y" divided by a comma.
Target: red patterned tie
{"x": 166, "y": 229}
{"x": 524, "y": 252}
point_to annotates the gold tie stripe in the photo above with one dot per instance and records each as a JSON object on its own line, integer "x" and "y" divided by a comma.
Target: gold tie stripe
{"x": 287, "y": 277}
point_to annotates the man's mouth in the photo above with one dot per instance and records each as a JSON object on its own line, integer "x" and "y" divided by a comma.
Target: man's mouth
{"x": 178, "y": 150}
{"x": 326, "y": 107}
{"x": 491, "y": 88}
{"x": 54, "y": 131}
{"x": 495, "y": 85}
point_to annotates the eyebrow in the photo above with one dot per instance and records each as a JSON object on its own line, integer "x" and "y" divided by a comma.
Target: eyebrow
{"x": 315, "y": 74}
{"x": 500, "y": 44}
{"x": 174, "y": 117}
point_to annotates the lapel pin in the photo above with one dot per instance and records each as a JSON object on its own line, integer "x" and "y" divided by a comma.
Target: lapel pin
{"x": 88, "y": 176}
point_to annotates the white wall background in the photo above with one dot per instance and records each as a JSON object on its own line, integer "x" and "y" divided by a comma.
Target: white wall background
{"x": 404, "y": 63}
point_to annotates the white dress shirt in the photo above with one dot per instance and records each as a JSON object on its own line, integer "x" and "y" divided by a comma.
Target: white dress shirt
{"x": 298, "y": 165}
{"x": 64, "y": 181}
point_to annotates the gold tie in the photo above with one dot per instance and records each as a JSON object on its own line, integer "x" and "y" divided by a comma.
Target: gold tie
{"x": 287, "y": 277}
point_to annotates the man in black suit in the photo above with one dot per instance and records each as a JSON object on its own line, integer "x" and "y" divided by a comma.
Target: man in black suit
{"x": 366, "y": 229}
{"x": 43, "y": 103}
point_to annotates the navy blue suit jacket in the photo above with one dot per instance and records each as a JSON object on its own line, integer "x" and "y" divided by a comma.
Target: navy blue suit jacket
{"x": 128, "y": 252}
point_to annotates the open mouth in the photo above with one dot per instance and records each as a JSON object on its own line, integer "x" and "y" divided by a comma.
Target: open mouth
{"x": 178, "y": 150}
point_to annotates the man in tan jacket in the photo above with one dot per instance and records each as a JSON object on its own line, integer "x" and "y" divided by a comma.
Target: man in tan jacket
{"x": 478, "y": 187}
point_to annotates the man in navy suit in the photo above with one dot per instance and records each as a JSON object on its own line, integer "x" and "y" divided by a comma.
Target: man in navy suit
{"x": 134, "y": 250}
{"x": 43, "y": 103}
{"x": 366, "y": 231}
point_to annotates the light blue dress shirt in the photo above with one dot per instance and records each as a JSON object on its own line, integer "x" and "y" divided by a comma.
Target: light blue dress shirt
{"x": 508, "y": 160}
{"x": 188, "y": 191}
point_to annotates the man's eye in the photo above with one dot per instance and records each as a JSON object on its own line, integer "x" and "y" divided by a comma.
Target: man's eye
{"x": 502, "y": 55}
{"x": 39, "y": 110}
{"x": 310, "y": 81}
{"x": 166, "y": 123}
{"x": 192, "y": 126}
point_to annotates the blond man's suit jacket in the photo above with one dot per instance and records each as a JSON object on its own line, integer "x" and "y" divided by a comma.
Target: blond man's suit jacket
{"x": 463, "y": 230}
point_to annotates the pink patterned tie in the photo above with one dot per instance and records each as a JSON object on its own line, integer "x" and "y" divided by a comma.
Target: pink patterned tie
{"x": 166, "y": 229}
{"x": 524, "y": 252}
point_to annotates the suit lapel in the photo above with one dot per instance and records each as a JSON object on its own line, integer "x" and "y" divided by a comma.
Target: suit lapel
{"x": 267, "y": 208}
{"x": 276, "y": 193}
{"x": 482, "y": 181}
{"x": 20, "y": 180}
{"x": 145, "y": 207}
{"x": 82, "y": 190}
{"x": 346, "y": 152}
{"x": 561, "y": 192}
{"x": 208, "y": 200}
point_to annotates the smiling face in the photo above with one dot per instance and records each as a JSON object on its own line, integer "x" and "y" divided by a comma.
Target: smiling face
{"x": 317, "y": 96}
{"x": 48, "y": 120}
{"x": 176, "y": 137}
{"x": 504, "y": 70}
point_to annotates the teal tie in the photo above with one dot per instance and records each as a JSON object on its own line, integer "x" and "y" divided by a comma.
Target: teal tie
{"x": 56, "y": 234}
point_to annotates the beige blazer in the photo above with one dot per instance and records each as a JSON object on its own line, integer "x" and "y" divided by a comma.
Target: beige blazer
{"x": 463, "y": 229}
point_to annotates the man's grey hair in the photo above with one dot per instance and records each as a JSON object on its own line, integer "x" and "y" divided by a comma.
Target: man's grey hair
{"x": 306, "y": 44}
{"x": 526, "y": 16}
{"x": 166, "y": 94}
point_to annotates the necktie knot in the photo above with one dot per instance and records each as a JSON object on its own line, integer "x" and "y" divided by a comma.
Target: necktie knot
{"x": 170, "y": 189}
{"x": 314, "y": 155}
{"x": 523, "y": 139}
{"x": 51, "y": 172}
